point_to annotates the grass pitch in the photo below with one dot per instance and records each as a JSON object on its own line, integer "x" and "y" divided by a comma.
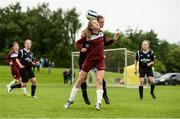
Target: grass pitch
{"x": 53, "y": 94}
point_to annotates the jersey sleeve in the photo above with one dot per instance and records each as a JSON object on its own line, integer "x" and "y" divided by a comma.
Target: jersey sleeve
{"x": 80, "y": 42}
{"x": 33, "y": 58}
{"x": 152, "y": 56}
{"x": 108, "y": 42}
{"x": 137, "y": 55}
{"x": 20, "y": 55}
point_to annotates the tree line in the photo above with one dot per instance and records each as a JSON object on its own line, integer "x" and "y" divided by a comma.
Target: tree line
{"x": 53, "y": 35}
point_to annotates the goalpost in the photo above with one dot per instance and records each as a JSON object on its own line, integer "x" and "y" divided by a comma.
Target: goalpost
{"x": 116, "y": 61}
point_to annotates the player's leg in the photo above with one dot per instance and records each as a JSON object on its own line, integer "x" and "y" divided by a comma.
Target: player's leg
{"x": 141, "y": 87}
{"x": 13, "y": 82}
{"x": 152, "y": 81}
{"x": 99, "y": 91}
{"x": 141, "y": 82}
{"x": 81, "y": 78}
{"x": 106, "y": 99}
{"x": 84, "y": 92}
{"x": 84, "y": 85}
{"x": 33, "y": 81}
{"x": 24, "y": 79}
{"x": 33, "y": 87}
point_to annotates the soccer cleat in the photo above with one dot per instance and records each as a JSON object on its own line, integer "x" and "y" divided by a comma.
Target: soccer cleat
{"x": 35, "y": 97}
{"x": 106, "y": 99}
{"x": 98, "y": 106}
{"x": 141, "y": 98}
{"x": 67, "y": 105}
{"x": 153, "y": 96}
{"x": 9, "y": 89}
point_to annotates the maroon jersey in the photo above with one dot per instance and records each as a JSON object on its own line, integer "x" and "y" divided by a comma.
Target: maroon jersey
{"x": 95, "y": 49}
{"x": 11, "y": 57}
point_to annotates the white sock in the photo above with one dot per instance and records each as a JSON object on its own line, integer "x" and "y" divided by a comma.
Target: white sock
{"x": 73, "y": 93}
{"x": 99, "y": 96}
{"x": 24, "y": 91}
{"x": 12, "y": 82}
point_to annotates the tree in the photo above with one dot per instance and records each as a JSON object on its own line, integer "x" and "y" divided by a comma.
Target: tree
{"x": 173, "y": 60}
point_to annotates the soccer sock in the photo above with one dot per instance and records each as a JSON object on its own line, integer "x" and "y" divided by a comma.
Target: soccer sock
{"x": 12, "y": 82}
{"x": 99, "y": 96}
{"x": 141, "y": 91}
{"x": 73, "y": 93}
{"x": 33, "y": 90}
{"x": 104, "y": 88}
{"x": 24, "y": 91}
{"x": 84, "y": 88}
{"x": 16, "y": 86}
{"x": 152, "y": 88}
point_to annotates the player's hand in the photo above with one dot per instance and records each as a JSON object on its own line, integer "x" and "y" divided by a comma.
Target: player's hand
{"x": 116, "y": 35}
{"x": 34, "y": 63}
{"x": 21, "y": 66}
{"x": 149, "y": 64}
{"x": 83, "y": 34}
{"x": 10, "y": 63}
{"x": 83, "y": 49}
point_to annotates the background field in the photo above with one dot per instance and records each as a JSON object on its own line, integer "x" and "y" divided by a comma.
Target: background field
{"x": 53, "y": 94}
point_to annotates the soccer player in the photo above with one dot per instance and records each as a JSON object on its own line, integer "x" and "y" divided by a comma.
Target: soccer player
{"x": 11, "y": 60}
{"x": 25, "y": 61}
{"x": 145, "y": 57}
{"x": 82, "y": 58}
{"x": 94, "y": 58}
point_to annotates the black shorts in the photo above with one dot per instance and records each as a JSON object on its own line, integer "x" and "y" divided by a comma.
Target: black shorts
{"x": 26, "y": 74}
{"x": 147, "y": 72}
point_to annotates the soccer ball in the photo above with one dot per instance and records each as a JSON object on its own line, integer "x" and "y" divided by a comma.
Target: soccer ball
{"x": 91, "y": 14}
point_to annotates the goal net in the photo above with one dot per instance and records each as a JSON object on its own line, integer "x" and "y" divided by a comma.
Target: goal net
{"x": 117, "y": 63}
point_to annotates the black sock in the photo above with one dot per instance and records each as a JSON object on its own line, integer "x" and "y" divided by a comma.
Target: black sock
{"x": 16, "y": 86}
{"x": 33, "y": 90}
{"x": 104, "y": 88}
{"x": 152, "y": 88}
{"x": 141, "y": 91}
{"x": 84, "y": 88}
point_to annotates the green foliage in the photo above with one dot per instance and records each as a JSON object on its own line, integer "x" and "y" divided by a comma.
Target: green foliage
{"x": 52, "y": 32}
{"x": 160, "y": 67}
{"x": 173, "y": 60}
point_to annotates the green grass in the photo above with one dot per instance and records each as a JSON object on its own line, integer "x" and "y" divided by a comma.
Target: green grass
{"x": 53, "y": 94}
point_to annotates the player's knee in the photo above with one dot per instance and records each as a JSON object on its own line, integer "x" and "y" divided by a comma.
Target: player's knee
{"x": 99, "y": 80}
{"x": 141, "y": 81}
{"x": 34, "y": 81}
{"x": 23, "y": 85}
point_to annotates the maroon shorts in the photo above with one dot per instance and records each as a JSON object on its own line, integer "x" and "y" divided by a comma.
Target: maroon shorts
{"x": 89, "y": 64}
{"x": 15, "y": 73}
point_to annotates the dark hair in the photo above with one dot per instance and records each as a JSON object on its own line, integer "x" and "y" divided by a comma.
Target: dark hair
{"x": 99, "y": 17}
{"x": 27, "y": 40}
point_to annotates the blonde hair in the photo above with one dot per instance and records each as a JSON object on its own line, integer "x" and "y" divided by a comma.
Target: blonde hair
{"x": 15, "y": 43}
{"x": 147, "y": 42}
{"x": 87, "y": 30}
